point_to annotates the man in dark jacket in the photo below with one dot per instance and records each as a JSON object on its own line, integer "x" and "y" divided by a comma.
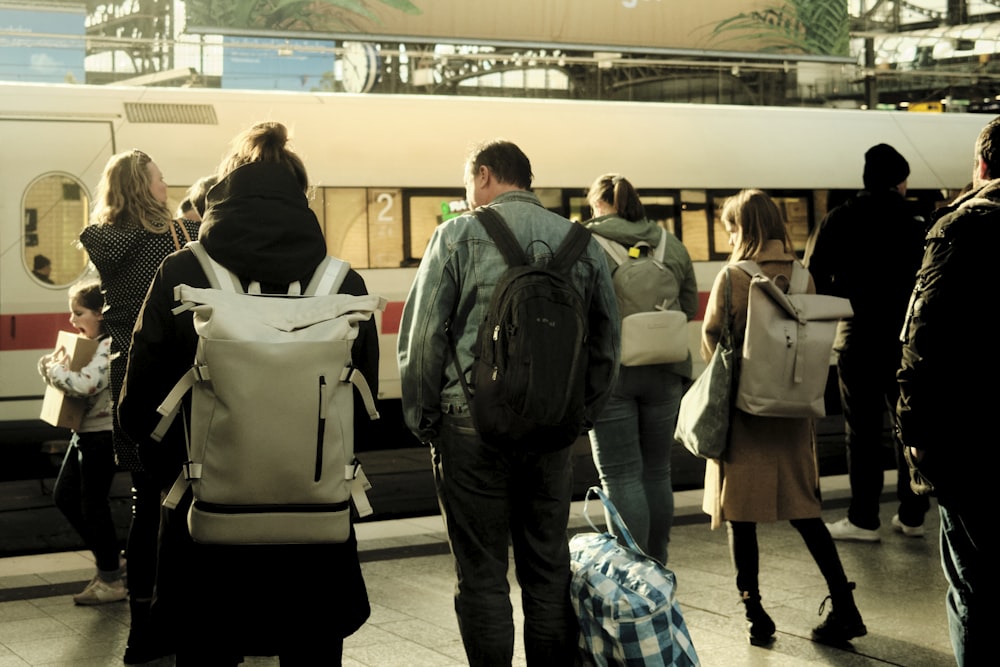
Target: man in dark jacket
{"x": 868, "y": 250}
{"x": 945, "y": 408}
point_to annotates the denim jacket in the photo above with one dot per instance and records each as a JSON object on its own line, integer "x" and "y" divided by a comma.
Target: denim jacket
{"x": 455, "y": 281}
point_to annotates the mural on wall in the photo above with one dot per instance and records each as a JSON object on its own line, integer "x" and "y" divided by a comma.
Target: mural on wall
{"x": 308, "y": 15}
{"x": 801, "y": 26}
{"x": 604, "y": 24}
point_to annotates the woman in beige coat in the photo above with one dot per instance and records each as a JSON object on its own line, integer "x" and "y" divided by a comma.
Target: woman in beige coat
{"x": 769, "y": 472}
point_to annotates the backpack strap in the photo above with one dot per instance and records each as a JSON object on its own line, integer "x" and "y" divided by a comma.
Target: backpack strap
{"x": 500, "y": 232}
{"x": 620, "y": 254}
{"x": 219, "y": 277}
{"x": 616, "y": 250}
{"x": 573, "y": 245}
{"x": 660, "y": 252}
{"x": 326, "y": 279}
{"x": 328, "y": 276}
{"x": 799, "y": 282}
{"x": 749, "y": 267}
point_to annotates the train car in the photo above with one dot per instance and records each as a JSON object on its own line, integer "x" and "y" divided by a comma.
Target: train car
{"x": 387, "y": 169}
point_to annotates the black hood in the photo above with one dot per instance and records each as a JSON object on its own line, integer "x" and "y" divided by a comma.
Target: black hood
{"x": 258, "y": 225}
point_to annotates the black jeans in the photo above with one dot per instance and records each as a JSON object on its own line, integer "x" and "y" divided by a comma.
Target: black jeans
{"x": 489, "y": 498}
{"x": 868, "y": 389}
{"x": 81, "y": 494}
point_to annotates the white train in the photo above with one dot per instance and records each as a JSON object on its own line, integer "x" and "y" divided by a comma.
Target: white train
{"x": 387, "y": 169}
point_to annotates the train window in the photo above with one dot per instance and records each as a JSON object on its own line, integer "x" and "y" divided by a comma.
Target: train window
{"x": 662, "y": 209}
{"x": 694, "y": 225}
{"x": 551, "y": 198}
{"x": 795, "y": 208}
{"x": 343, "y": 214}
{"x": 56, "y": 208}
{"x": 427, "y": 210}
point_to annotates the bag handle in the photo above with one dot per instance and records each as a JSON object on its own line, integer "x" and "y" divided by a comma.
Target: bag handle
{"x": 184, "y": 231}
{"x": 727, "y": 334}
{"x": 616, "y": 518}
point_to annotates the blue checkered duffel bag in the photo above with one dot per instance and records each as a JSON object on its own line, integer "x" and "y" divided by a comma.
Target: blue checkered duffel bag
{"x": 625, "y": 600}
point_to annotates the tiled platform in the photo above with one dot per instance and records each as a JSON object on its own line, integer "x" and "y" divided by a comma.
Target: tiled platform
{"x": 900, "y": 591}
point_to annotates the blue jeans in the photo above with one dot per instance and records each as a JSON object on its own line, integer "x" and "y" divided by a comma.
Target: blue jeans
{"x": 969, "y": 559}
{"x": 492, "y": 497}
{"x": 81, "y": 494}
{"x": 632, "y": 441}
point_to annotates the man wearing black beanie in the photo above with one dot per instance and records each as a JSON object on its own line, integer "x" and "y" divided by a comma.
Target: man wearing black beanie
{"x": 868, "y": 250}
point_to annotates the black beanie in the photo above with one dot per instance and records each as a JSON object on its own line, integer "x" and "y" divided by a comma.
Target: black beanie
{"x": 885, "y": 168}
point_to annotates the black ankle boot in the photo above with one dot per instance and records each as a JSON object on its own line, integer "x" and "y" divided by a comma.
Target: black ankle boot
{"x": 760, "y": 627}
{"x": 844, "y": 621}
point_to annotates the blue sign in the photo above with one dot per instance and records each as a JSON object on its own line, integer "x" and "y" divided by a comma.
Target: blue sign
{"x": 275, "y": 64}
{"x": 31, "y": 49}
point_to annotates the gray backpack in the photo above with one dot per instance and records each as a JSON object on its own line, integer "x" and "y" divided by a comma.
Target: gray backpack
{"x": 271, "y": 444}
{"x": 654, "y": 328}
{"x": 787, "y": 345}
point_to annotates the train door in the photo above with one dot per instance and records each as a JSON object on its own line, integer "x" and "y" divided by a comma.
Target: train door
{"x": 49, "y": 170}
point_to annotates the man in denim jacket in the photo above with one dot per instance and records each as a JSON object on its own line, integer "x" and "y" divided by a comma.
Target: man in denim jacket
{"x": 488, "y": 495}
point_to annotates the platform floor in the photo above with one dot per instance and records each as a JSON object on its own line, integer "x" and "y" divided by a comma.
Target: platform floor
{"x": 900, "y": 592}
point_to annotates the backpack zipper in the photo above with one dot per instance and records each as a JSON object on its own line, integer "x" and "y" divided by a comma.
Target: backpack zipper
{"x": 321, "y": 429}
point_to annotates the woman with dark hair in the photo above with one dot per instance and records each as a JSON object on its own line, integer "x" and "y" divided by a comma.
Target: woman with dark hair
{"x": 131, "y": 231}
{"x": 769, "y": 472}
{"x": 632, "y": 439}
{"x": 257, "y": 224}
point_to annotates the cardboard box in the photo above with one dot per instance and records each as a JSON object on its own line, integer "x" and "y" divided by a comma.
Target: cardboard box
{"x": 59, "y": 409}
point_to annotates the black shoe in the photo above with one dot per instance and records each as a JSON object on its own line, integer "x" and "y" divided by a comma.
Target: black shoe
{"x": 839, "y": 628}
{"x": 760, "y": 627}
{"x": 844, "y": 621}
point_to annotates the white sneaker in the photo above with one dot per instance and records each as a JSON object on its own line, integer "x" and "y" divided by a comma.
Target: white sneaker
{"x": 909, "y": 531}
{"x": 99, "y": 591}
{"x": 845, "y": 530}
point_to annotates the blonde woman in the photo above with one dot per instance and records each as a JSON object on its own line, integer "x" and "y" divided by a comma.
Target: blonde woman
{"x": 769, "y": 472}
{"x": 131, "y": 231}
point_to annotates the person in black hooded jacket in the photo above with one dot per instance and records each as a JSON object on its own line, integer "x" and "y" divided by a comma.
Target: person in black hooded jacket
{"x": 243, "y": 599}
{"x": 868, "y": 250}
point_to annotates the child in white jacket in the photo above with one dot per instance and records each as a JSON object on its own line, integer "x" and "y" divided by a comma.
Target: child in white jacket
{"x": 84, "y": 482}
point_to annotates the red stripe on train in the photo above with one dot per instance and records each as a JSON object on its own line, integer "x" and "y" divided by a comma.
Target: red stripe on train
{"x": 32, "y": 331}
{"x": 38, "y": 331}
{"x": 394, "y": 311}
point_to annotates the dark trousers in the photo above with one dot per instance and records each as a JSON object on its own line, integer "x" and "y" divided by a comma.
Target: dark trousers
{"x": 143, "y": 536}
{"x": 746, "y": 555}
{"x": 81, "y": 494}
{"x": 492, "y": 497}
{"x": 868, "y": 389}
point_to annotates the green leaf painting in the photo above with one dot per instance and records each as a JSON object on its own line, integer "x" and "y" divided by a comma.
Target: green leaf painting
{"x": 314, "y": 15}
{"x": 817, "y": 27}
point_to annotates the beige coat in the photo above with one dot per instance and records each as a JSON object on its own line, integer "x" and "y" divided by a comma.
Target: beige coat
{"x": 769, "y": 472}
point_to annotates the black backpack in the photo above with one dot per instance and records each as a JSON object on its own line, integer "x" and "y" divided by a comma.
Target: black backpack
{"x": 530, "y": 366}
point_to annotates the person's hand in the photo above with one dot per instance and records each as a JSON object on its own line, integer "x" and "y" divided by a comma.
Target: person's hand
{"x": 60, "y": 356}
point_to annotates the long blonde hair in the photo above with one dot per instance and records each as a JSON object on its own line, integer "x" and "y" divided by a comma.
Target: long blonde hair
{"x": 124, "y": 198}
{"x": 758, "y": 219}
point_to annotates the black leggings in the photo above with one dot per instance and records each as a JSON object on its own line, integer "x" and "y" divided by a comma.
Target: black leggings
{"x": 746, "y": 557}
